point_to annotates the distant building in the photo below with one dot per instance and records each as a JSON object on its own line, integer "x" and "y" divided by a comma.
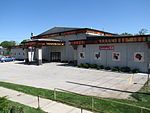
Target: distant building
{"x": 18, "y": 52}
{"x": 2, "y": 50}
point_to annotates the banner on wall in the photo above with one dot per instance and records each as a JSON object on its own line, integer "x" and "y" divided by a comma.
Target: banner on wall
{"x": 116, "y": 56}
{"x": 106, "y": 47}
{"x": 81, "y": 55}
{"x": 97, "y": 55}
{"x": 139, "y": 57}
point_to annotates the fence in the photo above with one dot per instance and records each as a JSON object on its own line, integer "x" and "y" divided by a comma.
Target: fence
{"x": 97, "y": 104}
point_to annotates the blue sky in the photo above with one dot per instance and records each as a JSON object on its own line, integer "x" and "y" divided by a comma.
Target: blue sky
{"x": 18, "y": 18}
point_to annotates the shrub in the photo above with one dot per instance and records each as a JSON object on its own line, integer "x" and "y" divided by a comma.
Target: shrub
{"x": 101, "y": 67}
{"x": 89, "y": 64}
{"x": 107, "y": 68}
{"x": 81, "y": 65}
{"x": 70, "y": 62}
{"x": 98, "y": 67}
{"x": 135, "y": 71}
{"x": 125, "y": 69}
{"x": 86, "y": 65}
{"x": 93, "y": 66}
{"x": 64, "y": 61}
{"x": 3, "y": 103}
{"x": 115, "y": 69}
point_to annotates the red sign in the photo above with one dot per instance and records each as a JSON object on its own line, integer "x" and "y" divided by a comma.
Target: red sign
{"x": 106, "y": 47}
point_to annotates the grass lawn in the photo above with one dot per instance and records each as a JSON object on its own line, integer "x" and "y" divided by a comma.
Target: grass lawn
{"x": 102, "y": 105}
{"x": 19, "y": 108}
{"x": 26, "y": 109}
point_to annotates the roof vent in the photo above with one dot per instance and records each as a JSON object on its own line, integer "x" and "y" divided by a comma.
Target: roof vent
{"x": 31, "y": 34}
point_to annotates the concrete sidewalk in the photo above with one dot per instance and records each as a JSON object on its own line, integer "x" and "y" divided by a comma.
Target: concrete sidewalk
{"x": 45, "y": 104}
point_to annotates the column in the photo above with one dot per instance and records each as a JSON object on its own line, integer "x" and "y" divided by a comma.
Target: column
{"x": 75, "y": 54}
{"x": 30, "y": 54}
{"x": 39, "y": 56}
{"x": 26, "y": 55}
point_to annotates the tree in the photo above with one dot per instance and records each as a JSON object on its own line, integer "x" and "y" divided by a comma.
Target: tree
{"x": 24, "y": 41}
{"x": 8, "y": 44}
{"x": 143, "y": 31}
{"x": 126, "y": 34}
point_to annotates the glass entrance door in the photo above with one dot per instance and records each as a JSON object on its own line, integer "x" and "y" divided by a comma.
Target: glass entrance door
{"x": 55, "y": 56}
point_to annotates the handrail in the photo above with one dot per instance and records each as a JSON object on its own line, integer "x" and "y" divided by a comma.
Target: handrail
{"x": 141, "y": 107}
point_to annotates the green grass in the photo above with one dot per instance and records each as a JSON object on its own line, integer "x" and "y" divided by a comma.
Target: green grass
{"x": 141, "y": 97}
{"x": 77, "y": 100}
{"x": 26, "y": 109}
{"x": 18, "y": 107}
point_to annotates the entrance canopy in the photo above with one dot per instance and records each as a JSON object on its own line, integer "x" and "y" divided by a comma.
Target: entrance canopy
{"x": 35, "y": 46}
{"x": 43, "y": 42}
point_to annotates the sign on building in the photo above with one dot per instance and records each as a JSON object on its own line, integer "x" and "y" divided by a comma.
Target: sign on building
{"x": 116, "y": 56}
{"x": 82, "y": 55}
{"x": 97, "y": 55}
{"x": 139, "y": 57}
{"x": 106, "y": 47}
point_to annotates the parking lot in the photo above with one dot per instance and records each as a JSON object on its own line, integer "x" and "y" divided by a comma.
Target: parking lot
{"x": 84, "y": 81}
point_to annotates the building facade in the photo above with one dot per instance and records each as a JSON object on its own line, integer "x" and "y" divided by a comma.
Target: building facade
{"x": 3, "y": 51}
{"x": 55, "y": 43}
{"x": 84, "y": 45}
{"x": 133, "y": 51}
